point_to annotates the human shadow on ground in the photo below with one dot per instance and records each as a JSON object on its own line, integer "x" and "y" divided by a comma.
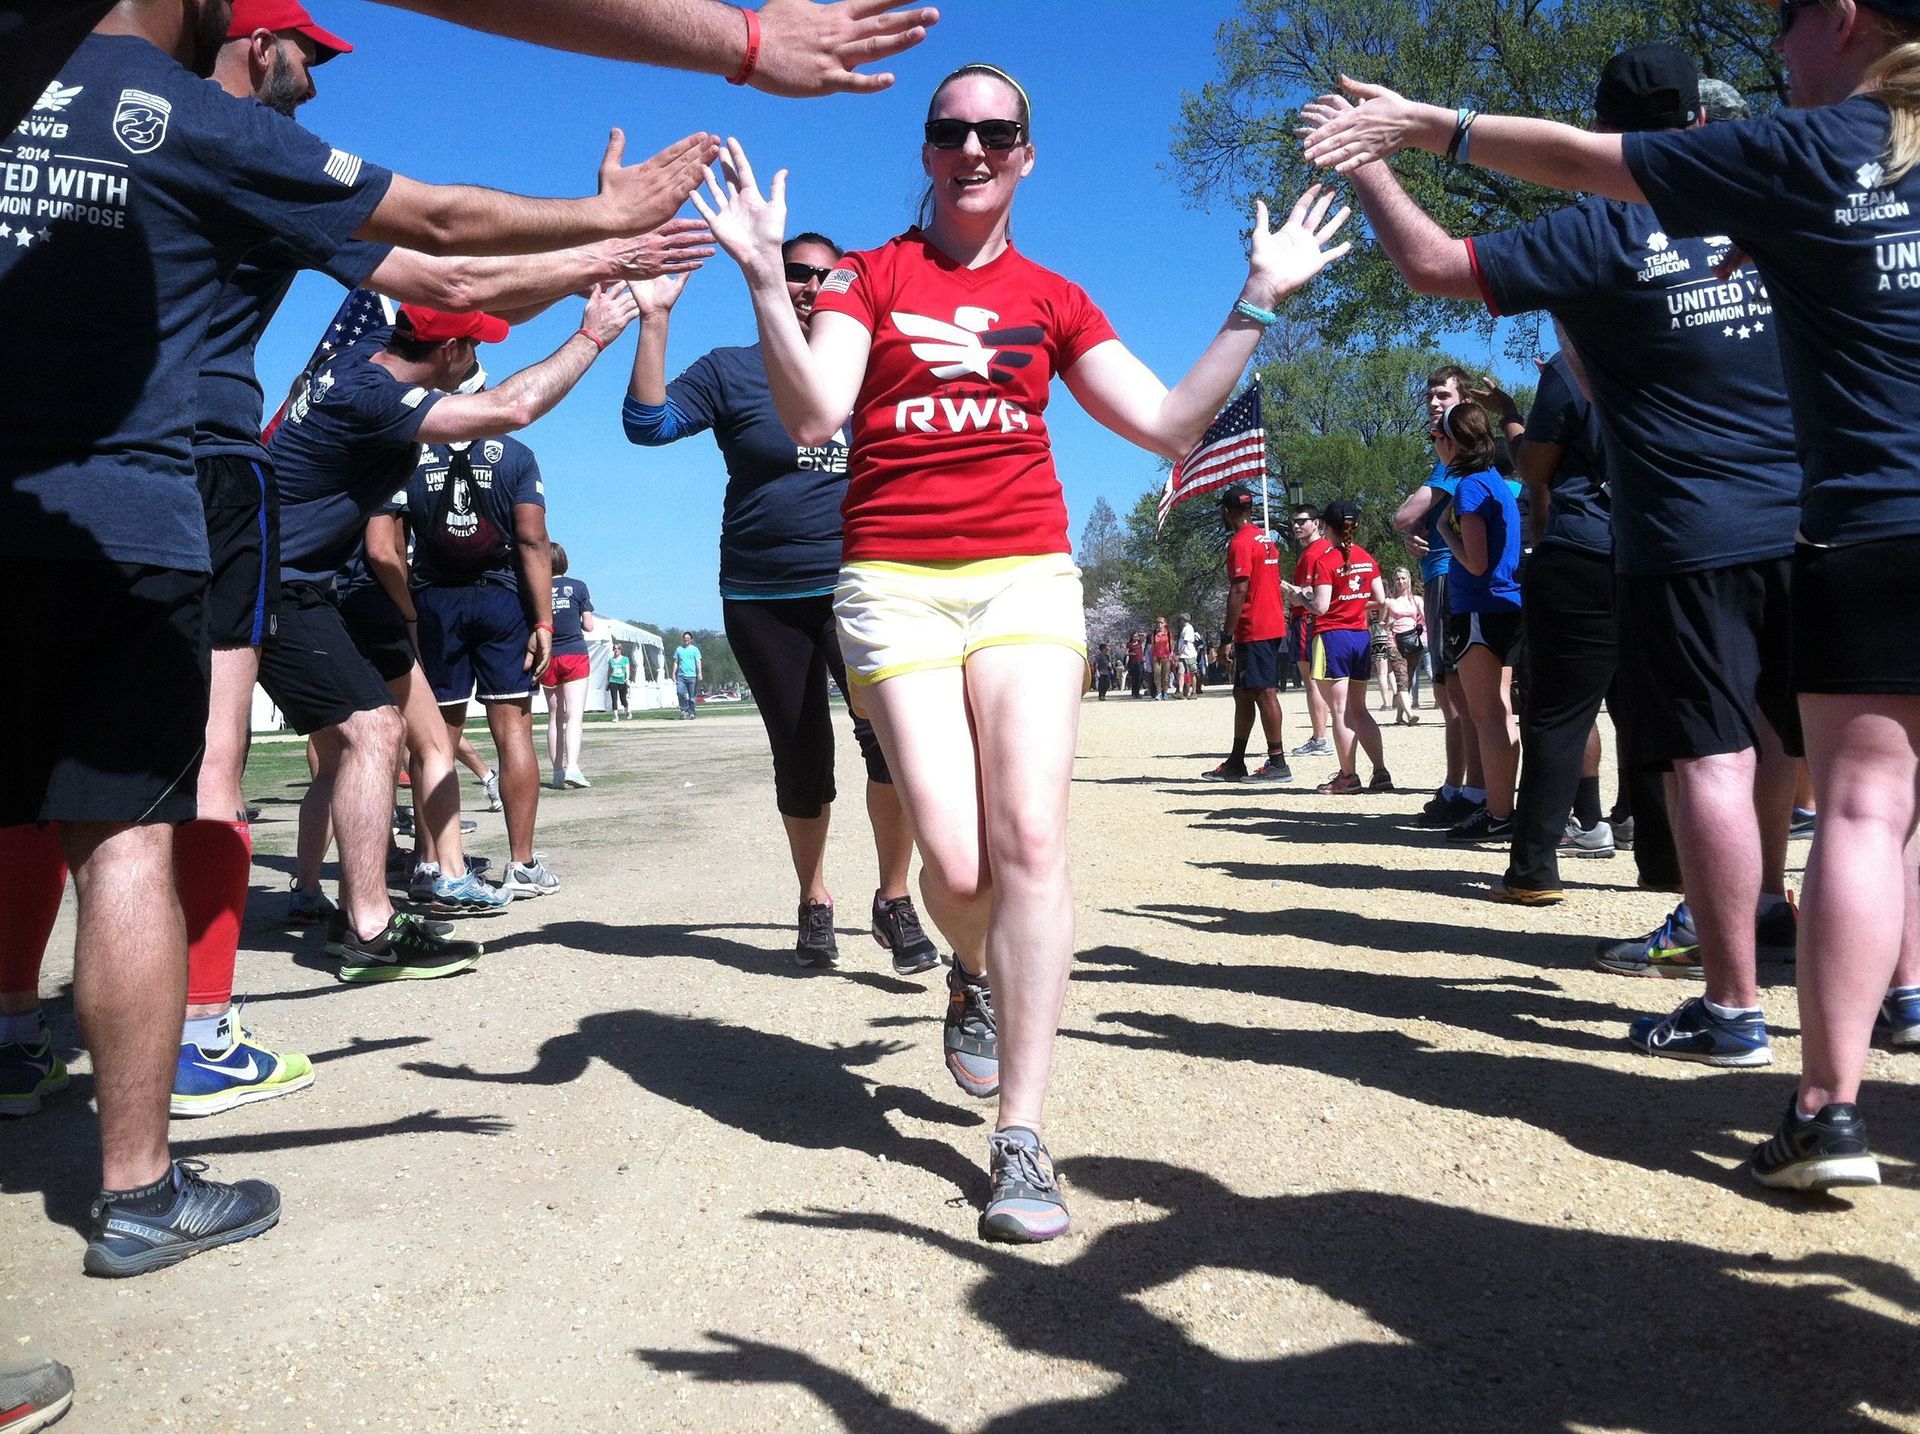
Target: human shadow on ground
{"x": 700, "y": 942}
{"x": 1520, "y": 1009}
{"x": 1688, "y": 1122}
{"x": 1492, "y": 1324}
{"x": 804, "y": 1094}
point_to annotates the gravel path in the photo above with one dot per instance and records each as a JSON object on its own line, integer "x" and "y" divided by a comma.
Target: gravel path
{"x": 1349, "y": 1147}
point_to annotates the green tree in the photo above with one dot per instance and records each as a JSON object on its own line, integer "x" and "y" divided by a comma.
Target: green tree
{"x": 1236, "y": 135}
{"x": 1100, "y": 547}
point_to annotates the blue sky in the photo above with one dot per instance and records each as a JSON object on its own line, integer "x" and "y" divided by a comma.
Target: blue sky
{"x": 642, "y": 525}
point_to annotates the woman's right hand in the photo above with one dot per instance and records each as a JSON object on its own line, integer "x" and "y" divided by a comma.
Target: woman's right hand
{"x": 745, "y": 223}
{"x": 656, "y": 297}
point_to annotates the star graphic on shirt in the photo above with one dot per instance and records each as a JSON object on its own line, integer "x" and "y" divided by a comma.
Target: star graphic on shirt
{"x": 1745, "y": 332}
{"x": 5, "y": 230}
{"x": 1759, "y": 328}
{"x": 1728, "y": 331}
{"x": 46, "y": 234}
{"x": 23, "y": 237}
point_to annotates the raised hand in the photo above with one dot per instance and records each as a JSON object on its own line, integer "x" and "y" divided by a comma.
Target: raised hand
{"x": 677, "y": 247}
{"x": 610, "y": 308}
{"x": 746, "y": 223}
{"x": 1342, "y": 137}
{"x": 808, "y": 49}
{"x": 643, "y": 197}
{"x": 1282, "y": 260}
{"x": 656, "y": 297}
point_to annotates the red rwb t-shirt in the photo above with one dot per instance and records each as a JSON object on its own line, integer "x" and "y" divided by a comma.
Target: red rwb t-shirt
{"x": 1252, "y": 555}
{"x": 950, "y": 454}
{"x": 1352, "y": 584}
{"x": 1303, "y": 576}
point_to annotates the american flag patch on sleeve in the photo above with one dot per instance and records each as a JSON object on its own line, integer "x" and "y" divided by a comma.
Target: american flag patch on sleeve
{"x": 342, "y": 167}
{"x": 839, "y": 281}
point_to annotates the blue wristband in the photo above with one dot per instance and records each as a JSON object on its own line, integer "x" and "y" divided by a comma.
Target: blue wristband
{"x": 1266, "y": 318}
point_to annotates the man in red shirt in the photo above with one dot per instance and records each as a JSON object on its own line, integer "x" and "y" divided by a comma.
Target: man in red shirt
{"x": 1313, "y": 544}
{"x": 1257, "y": 628}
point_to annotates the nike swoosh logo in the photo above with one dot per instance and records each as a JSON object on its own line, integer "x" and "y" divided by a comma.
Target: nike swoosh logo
{"x": 252, "y": 1069}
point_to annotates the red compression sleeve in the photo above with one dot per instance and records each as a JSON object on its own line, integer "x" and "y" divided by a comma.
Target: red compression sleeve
{"x": 37, "y": 874}
{"x": 212, "y": 862}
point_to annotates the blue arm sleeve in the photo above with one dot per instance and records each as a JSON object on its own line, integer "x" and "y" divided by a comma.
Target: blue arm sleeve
{"x": 654, "y": 425}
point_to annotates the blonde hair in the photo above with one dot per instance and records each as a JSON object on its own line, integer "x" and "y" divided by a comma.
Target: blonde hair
{"x": 1894, "y": 80}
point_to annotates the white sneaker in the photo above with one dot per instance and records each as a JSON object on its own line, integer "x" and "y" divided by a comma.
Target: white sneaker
{"x": 491, "y": 784}
{"x": 572, "y": 778}
{"x": 529, "y": 879}
{"x": 1594, "y": 841}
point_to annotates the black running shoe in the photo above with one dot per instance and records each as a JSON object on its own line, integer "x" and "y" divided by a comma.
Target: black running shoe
{"x": 1446, "y": 811}
{"x": 337, "y": 930}
{"x": 815, "y": 945}
{"x": 896, "y": 926}
{"x": 409, "y": 949}
{"x": 1227, "y": 771}
{"x": 971, "y": 1039}
{"x": 204, "y": 1214}
{"x": 1824, "y": 1153}
{"x": 1481, "y": 827}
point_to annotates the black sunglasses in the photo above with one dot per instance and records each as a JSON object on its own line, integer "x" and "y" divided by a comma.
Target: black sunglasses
{"x": 798, "y": 273}
{"x": 994, "y": 133}
{"x": 1791, "y": 8}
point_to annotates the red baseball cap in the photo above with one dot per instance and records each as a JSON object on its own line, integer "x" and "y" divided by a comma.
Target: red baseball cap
{"x": 251, "y": 15}
{"x": 435, "y": 326}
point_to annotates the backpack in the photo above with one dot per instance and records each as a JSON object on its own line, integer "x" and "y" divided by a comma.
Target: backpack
{"x": 463, "y": 540}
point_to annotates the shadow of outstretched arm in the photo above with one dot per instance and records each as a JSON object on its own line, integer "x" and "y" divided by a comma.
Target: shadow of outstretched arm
{"x": 750, "y": 1361}
{"x": 562, "y": 1059}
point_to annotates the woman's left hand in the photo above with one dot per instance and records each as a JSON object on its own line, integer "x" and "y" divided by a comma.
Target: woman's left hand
{"x": 1282, "y": 260}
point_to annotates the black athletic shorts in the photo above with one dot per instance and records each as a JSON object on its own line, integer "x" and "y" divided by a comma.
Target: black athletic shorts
{"x": 1437, "y": 615}
{"x": 1856, "y": 618}
{"x": 243, "y": 538}
{"x": 312, "y": 670}
{"x": 1256, "y": 664}
{"x": 1498, "y": 632}
{"x": 132, "y": 753}
{"x": 1702, "y": 657}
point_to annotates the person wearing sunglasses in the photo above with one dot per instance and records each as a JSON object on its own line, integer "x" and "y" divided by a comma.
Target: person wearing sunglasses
{"x": 960, "y": 609}
{"x": 779, "y": 560}
{"x": 1821, "y": 198}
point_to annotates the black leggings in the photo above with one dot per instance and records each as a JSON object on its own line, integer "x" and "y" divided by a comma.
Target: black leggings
{"x": 787, "y": 648}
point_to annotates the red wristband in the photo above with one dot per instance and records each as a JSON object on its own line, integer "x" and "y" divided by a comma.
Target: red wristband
{"x": 546, "y": 627}
{"x": 593, "y": 340}
{"x": 753, "y": 49}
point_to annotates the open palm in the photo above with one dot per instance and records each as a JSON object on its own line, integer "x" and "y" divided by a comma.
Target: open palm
{"x": 1284, "y": 259}
{"x": 749, "y": 225}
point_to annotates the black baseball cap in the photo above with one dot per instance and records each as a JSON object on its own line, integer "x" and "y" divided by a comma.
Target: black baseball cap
{"x": 1648, "y": 87}
{"x": 1236, "y": 498}
{"x": 1340, "y": 510}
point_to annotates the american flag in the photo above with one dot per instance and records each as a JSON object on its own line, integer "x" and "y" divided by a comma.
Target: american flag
{"x": 362, "y": 314}
{"x": 1234, "y": 447}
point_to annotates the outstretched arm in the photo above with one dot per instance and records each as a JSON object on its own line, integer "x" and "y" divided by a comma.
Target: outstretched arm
{"x": 515, "y": 286}
{"x": 1122, "y": 393}
{"x": 1431, "y": 260}
{"x": 1540, "y": 151}
{"x": 806, "y": 49}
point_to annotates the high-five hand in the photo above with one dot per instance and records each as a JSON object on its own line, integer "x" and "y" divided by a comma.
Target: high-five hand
{"x": 1342, "y": 137}
{"x": 642, "y": 197}
{"x": 610, "y": 308}
{"x": 746, "y": 223}
{"x": 658, "y": 296}
{"x": 1281, "y": 260}
{"x": 809, "y": 49}
{"x": 677, "y": 247}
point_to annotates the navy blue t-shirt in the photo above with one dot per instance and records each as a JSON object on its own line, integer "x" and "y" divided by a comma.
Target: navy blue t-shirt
{"x": 1685, "y": 374}
{"x": 344, "y": 450}
{"x": 571, "y": 602}
{"x": 1805, "y": 194}
{"x": 126, "y": 195}
{"x": 780, "y": 522}
{"x": 1490, "y": 497}
{"x": 1579, "y": 513}
{"x": 467, "y": 538}
{"x": 228, "y": 407}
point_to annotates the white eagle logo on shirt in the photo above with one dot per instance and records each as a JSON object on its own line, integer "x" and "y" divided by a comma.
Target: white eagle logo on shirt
{"x": 56, "y": 97}
{"x": 970, "y": 344}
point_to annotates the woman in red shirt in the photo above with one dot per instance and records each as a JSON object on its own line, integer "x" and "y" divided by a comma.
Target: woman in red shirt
{"x": 1162, "y": 661}
{"x": 1343, "y": 584}
{"x": 959, "y": 606}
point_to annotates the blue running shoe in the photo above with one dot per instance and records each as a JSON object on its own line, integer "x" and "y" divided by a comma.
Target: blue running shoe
{"x": 204, "y": 1215}
{"x": 468, "y": 895}
{"x": 1694, "y": 1033}
{"x": 27, "y": 1073}
{"x": 1822, "y": 1153}
{"x": 1898, "y": 1023}
{"x": 1671, "y": 949}
{"x": 1025, "y": 1205}
{"x": 971, "y": 1038}
{"x": 208, "y": 1082}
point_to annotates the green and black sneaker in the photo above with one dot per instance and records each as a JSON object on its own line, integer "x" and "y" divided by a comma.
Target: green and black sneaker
{"x": 409, "y": 949}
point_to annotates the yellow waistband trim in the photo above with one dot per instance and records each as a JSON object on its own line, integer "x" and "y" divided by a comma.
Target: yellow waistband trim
{"x": 956, "y": 567}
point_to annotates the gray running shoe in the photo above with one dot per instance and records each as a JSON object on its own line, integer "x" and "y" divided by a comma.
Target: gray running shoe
{"x": 815, "y": 945}
{"x": 1593, "y": 841}
{"x": 1314, "y": 747}
{"x": 204, "y": 1214}
{"x": 468, "y": 896}
{"x": 972, "y": 1041}
{"x": 896, "y": 926}
{"x": 529, "y": 878}
{"x": 1025, "y": 1205}
{"x": 34, "y": 1395}
{"x": 426, "y": 875}
{"x": 491, "y": 785}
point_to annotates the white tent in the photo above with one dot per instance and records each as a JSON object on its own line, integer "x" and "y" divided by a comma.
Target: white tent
{"x": 649, "y": 684}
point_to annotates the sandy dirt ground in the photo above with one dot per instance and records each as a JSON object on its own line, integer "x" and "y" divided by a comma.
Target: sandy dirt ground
{"x": 1348, "y": 1146}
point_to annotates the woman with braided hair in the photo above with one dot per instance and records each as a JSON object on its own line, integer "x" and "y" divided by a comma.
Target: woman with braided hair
{"x": 1343, "y": 585}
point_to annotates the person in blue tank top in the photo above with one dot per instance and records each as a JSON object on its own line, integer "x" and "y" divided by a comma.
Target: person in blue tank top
{"x": 779, "y": 561}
